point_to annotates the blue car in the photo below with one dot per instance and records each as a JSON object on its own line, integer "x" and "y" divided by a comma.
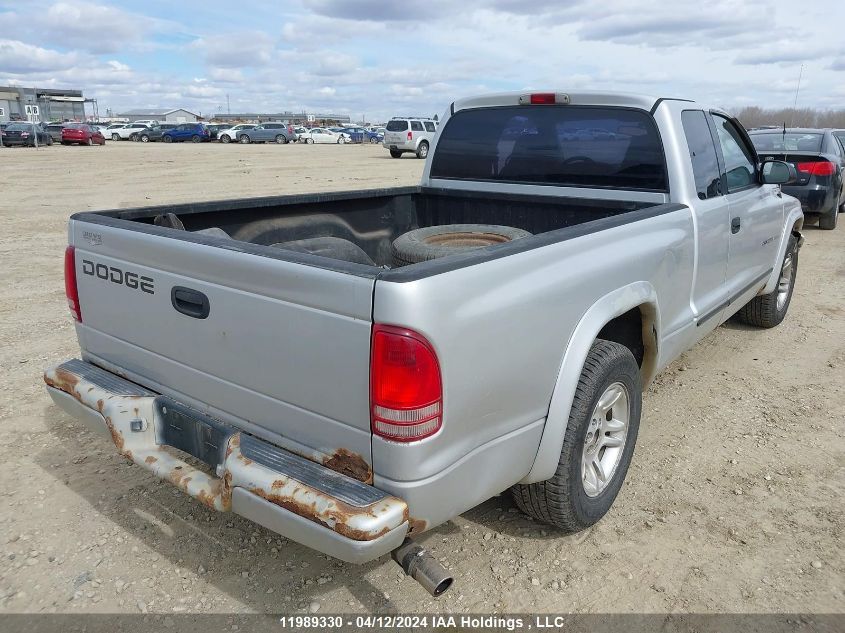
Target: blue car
{"x": 372, "y": 136}
{"x": 194, "y": 132}
{"x": 356, "y": 134}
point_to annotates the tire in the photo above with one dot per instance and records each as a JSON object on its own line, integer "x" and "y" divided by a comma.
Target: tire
{"x": 49, "y": 141}
{"x": 167, "y": 139}
{"x": 90, "y": 142}
{"x": 281, "y": 139}
{"x": 563, "y": 500}
{"x": 828, "y": 221}
{"x": 433, "y": 242}
{"x": 243, "y": 138}
{"x": 195, "y": 138}
{"x": 309, "y": 141}
{"x": 115, "y": 137}
{"x": 225, "y": 139}
{"x": 373, "y": 140}
{"x": 395, "y": 153}
{"x": 144, "y": 138}
{"x": 767, "y": 311}
{"x": 340, "y": 140}
{"x": 422, "y": 150}
{"x": 65, "y": 143}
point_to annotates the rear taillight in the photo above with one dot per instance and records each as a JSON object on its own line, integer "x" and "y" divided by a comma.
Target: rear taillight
{"x": 71, "y": 290}
{"x": 822, "y": 168}
{"x": 405, "y": 389}
{"x": 410, "y": 136}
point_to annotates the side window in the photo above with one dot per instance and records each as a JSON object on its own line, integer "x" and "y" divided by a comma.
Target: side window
{"x": 416, "y": 126}
{"x": 739, "y": 158}
{"x": 429, "y": 126}
{"x": 702, "y": 153}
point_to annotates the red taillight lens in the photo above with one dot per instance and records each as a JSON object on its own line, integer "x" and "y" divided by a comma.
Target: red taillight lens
{"x": 543, "y": 98}
{"x": 405, "y": 388}
{"x": 71, "y": 290}
{"x": 822, "y": 168}
{"x": 410, "y": 136}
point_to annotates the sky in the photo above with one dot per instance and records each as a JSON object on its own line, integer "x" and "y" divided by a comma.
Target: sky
{"x": 374, "y": 59}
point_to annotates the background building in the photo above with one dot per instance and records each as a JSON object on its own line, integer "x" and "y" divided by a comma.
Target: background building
{"x": 41, "y": 104}
{"x": 162, "y": 115}
{"x": 295, "y": 118}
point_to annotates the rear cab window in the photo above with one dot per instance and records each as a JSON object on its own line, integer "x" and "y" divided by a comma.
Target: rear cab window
{"x": 397, "y": 125}
{"x": 702, "y": 151}
{"x": 575, "y": 146}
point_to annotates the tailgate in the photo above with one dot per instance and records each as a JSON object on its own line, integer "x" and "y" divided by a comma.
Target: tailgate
{"x": 283, "y": 351}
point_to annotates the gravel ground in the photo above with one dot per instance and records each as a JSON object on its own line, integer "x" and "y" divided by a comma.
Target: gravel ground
{"x": 733, "y": 503}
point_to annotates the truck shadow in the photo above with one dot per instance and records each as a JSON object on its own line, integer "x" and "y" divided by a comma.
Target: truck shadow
{"x": 256, "y": 567}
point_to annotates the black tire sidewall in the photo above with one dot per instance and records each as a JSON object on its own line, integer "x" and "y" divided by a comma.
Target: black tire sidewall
{"x": 623, "y": 369}
{"x": 792, "y": 246}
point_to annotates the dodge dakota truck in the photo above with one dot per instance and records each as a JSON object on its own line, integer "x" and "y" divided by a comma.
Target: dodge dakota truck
{"x": 352, "y": 369}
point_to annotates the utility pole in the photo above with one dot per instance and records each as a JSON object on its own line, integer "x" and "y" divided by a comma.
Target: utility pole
{"x": 228, "y": 109}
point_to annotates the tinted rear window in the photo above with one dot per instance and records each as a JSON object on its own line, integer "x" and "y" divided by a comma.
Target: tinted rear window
{"x": 791, "y": 141}
{"x": 397, "y": 126}
{"x": 578, "y": 146}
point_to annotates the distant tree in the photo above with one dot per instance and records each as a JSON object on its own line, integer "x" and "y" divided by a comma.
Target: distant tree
{"x": 755, "y": 116}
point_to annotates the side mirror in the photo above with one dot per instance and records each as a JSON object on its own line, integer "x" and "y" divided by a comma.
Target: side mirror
{"x": 778, "y": 172}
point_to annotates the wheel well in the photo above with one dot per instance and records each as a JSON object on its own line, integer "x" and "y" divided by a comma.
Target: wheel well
{"x": 636, "y": 330}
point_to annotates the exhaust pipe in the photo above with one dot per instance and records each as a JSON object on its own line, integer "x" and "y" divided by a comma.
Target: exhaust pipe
{"x": 420, "y": 565}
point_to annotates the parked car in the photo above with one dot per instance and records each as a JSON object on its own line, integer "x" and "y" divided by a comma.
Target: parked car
{"x": 148, "y": 134}
{"x": 386, "y": 366}
{"x": 194, "y": 132}
{"x": 819, "y": 157}
{"x": 215, "y": 128}
{"x": 407, "y": 135}
{"x": 231, "y": 133}
{"x": 82, "y": 134}
{"x": 324, "y": 135}
{"x": 20, "y": 133}
{"x": 268, "y": 132}
{"x": 375, "y": 135}
{"x": 111, "y": 131}
{"x": 125, "y": 132}
{"x": 55, "y": 131}
{"x": 146, "y": 122}
{"x": 356, "y": 134}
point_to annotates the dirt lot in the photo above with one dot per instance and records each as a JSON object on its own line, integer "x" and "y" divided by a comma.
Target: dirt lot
{"x": 734, "y": 501}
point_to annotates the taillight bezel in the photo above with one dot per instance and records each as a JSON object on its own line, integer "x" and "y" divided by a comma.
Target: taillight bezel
{"x": 71, "y": 287}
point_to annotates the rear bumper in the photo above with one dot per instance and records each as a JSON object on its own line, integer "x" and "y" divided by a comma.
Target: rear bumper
{"x": 288, "y": 494}
{"x": 814, "y": 198}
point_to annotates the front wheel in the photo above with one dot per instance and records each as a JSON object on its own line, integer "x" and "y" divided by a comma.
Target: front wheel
{"x": 309, "y": 141}
{"x": 769, "y": 310}
{"x": 115, "y": 137}
{"x": 145, "y": 139}
{"x": 243, "y": 138}
{"x": 195, "y": 138}
{"x": 598, "y": 444}
{"x": 281, "y": 139}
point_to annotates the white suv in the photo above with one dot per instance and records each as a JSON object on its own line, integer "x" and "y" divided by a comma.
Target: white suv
{"x": 409, "y": 135}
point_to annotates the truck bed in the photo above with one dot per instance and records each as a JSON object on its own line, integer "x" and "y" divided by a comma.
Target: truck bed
{"x": 372, "y": 219}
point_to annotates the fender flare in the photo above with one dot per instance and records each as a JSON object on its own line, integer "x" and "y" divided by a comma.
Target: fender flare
{"x": 604, "y": 310}
{"x": 793, "y": 216}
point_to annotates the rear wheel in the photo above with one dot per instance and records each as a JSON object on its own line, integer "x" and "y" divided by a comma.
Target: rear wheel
{"x": 373, "y": 140}
{"x": 225, "y": 139}
{"x": 280, "y": 139}
{"x": 167, "y": 138}
{"x": 828, "y": 221}
{"x": 145, "y": 138}
{"x": 598, "y": 444}
{"x": 395, "y": 154}
{"x": 309, "y": 141}
{"x": 769, "y": 310}
{"x": 243, "y": 138}
{"x": 422, "y": 150}
{"x": 195, "y": 138}
{"x": 115, "y": 137}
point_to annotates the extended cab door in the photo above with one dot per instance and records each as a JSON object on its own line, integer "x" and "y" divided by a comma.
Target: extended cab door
{"x": 712, "y": 219}
{"x": 756, "y": 210}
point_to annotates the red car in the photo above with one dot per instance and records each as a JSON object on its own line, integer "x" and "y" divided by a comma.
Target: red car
{"x": 82, "y": 134}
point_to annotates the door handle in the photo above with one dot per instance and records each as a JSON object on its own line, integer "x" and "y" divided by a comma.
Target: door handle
{"x": 190, "y": 302}
{"x": 736, "y": 224}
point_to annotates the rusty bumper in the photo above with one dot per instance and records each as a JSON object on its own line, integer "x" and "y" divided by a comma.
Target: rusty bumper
{"x": 300, "y": 499}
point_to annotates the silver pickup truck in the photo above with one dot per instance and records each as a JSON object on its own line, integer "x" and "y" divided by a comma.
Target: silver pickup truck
{"x": 352, "y": 369}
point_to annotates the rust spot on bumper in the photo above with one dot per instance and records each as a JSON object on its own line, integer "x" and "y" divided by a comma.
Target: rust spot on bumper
{"x": 350, "y": 464}
{"x": 415, "y": 526}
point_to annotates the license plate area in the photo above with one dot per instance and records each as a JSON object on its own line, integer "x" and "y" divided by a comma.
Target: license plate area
{"x": 192, "y": 431}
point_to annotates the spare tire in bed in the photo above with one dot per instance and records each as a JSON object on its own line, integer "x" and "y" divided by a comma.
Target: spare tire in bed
{"x": 433, "y": 242}
{"x": 333, "y": 247}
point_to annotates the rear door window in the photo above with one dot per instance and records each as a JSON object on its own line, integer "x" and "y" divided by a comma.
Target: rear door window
{"x": 397, "y": 126}
{"x": 429, "y": 126}
{"x": 416, "y": 126}
{"x": 575, "y": 146}
{"x": 702, "y": 151}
